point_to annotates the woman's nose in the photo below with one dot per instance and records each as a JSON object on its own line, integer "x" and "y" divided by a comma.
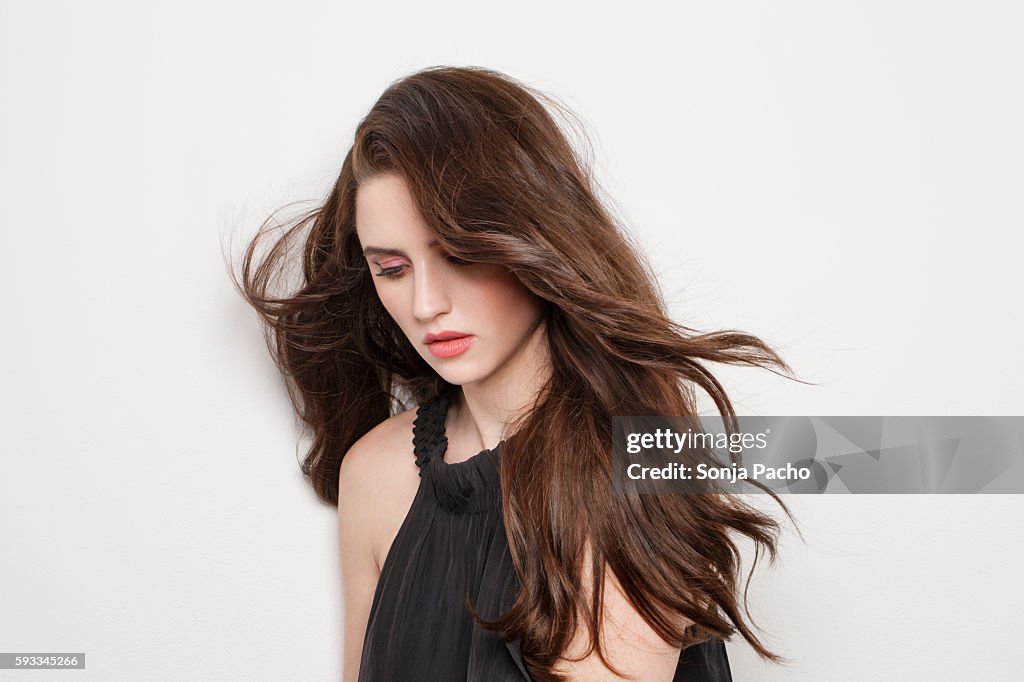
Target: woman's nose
{"x": 430, "y": 293}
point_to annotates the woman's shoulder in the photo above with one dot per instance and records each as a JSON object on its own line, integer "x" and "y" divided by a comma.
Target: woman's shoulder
{"x": 387, "y": 446}
{"x": 379, "y": 471}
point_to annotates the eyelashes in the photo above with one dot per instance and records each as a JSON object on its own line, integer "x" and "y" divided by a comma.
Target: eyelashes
{"x": 391, "y": 273}
{"x": 396, "y": 271}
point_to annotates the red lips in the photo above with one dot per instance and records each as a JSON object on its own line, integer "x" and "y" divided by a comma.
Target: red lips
{"x": 448, "y": 344}
{"x": 444, "y": 336}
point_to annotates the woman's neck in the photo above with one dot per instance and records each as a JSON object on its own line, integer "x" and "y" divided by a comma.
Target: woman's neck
{"x": 481, "y": 412}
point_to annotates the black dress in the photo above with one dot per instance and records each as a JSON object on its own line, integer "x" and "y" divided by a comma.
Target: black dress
{"x": 450, "y": 547}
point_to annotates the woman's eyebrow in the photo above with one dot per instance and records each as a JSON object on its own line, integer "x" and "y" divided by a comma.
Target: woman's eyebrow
{"x": 381, "y": 251}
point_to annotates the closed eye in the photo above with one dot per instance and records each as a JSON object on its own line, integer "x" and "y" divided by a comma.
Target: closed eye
{"x": 392, "y": 272}
{"x": 396, "y": 271}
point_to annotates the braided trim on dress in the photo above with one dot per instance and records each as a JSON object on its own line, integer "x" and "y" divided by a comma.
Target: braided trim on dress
{"x": 428, "y": 437}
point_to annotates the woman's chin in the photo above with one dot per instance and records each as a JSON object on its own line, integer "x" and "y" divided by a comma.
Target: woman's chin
{"x": 460, "y": 376}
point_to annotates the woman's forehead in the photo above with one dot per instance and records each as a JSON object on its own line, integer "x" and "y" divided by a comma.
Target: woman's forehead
{"x": 386, "y": 213}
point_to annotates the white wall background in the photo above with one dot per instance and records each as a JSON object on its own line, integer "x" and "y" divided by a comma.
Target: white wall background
{"x": 842, "y": 179}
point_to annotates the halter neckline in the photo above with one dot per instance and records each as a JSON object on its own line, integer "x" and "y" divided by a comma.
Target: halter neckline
{"x": 469, "y": 486}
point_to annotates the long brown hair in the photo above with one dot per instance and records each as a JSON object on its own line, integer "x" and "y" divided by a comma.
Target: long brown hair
{"x": 499, "y": 182}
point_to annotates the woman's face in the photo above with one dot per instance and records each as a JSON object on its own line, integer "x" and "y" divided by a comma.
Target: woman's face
{"x": 471, "y": 322}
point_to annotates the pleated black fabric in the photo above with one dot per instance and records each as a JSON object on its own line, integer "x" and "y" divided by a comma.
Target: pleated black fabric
{"x": 451, "y": 548}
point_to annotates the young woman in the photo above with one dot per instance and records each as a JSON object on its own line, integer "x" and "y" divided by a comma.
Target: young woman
{"x": 470, "y": 319}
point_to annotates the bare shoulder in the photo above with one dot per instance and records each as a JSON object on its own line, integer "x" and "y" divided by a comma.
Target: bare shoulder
{"x": 378, "y": 480}
{"x": 387, "y": 446}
